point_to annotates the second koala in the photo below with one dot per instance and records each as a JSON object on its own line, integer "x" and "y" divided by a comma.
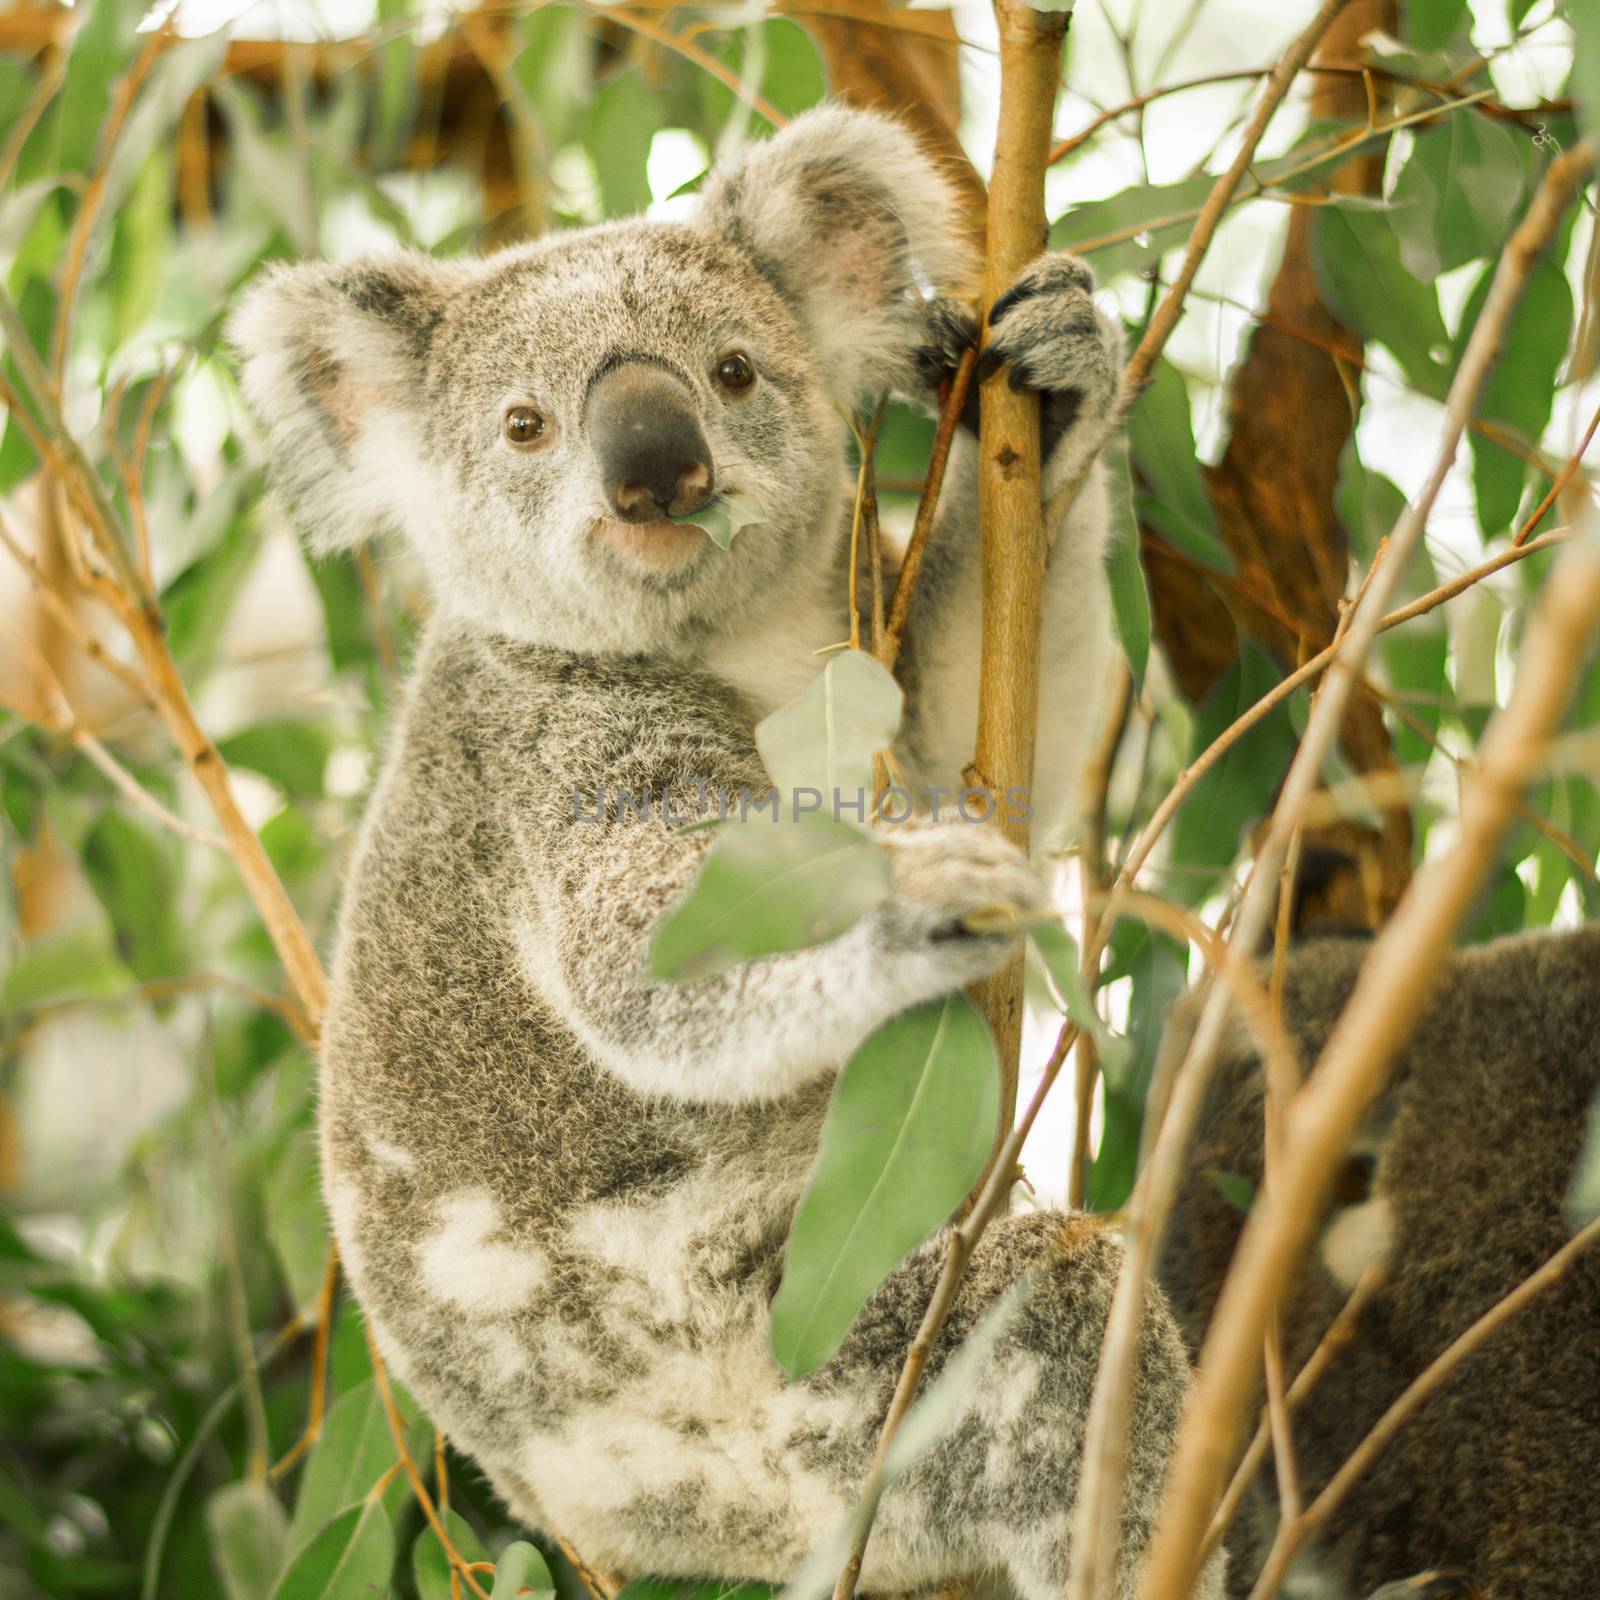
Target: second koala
{"x": 562, "y": 1194}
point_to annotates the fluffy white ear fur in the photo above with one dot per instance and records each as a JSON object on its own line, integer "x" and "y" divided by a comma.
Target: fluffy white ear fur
{"x": 332, "y": 352}
{"x": 851, "y": 218}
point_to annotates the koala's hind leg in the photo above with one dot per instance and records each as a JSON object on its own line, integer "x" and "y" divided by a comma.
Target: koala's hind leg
{"x": 998, "y": 1491}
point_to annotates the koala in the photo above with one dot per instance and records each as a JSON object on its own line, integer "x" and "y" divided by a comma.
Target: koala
{"x": 562, "y": 1192}
{"x": 1455, "y": 1185}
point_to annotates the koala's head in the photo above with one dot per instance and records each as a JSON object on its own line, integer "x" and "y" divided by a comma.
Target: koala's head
{"x": 532, "y": 421}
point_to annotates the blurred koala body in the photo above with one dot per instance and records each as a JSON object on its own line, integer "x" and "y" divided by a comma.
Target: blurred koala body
{"x": 562, "y": 1194}
{"x": 1455, "y": 1186}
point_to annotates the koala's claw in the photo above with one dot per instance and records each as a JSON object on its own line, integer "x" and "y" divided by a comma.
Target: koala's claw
{"x": 952, "y": 331}
{"x": 1049, "y": 335}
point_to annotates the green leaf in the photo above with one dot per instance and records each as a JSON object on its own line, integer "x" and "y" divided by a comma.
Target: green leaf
{"x": 909, "y": 1128}
{"x": 1518, "y": 392}
{"x": 621, "y": 127}
{"x": 1239, "y": 1192}
{"x": 183, "y": 68}
{"x": 354, "y": 1452}
{"x": 1434, "y": 24}
{"x": 723, "y": 517}
{"x": 789, "y": 72}
{"x": 1238, "y": 790}
{"x": 249, "y": 1533}
{"x": 1415, "y": 656}
{"x": 521, "y": 1570}
{"x": 826, "y": 737}
{"x": 1161, "y": 434}
{"x": 1356, "y": 257}
{"x": 347, "y": 1559}
{"x": 1057, "y": 953}
{"x": 430, "y": 1566}
{"x": 293, "y": 753}
{"x": 132, "y": 877}
{"x": 1128, "y": 231}
{"x": 80, "y": 963}
{"x": 1583, "y": 1198}
{"x": 1457, "y": 193}
{"x": 1130, "y": 596}
{"x": 766, "y": 888}
{"x": 1584, "y": 15}
{"x": 297, "y": 1226}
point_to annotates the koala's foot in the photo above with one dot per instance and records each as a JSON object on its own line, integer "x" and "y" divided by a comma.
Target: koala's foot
{"x": 1048, "y": 335}
{"x": 960, "y": 893}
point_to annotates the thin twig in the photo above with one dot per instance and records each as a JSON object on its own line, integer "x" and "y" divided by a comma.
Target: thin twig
{"x": 1562, "y": 479}
{"x": 927, "y": 506}
{"x": 1293, "y": 1534}
{"x": 319, "y": 1367}
{"x": 397, "y": 1431}
{"x": 1407, "y": 954}
{"x": 1340, "y": 1332}
{"x": 690, "y": 51}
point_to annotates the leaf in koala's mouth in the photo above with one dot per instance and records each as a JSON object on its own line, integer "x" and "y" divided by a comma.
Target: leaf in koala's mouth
{"x": 724, "y": 516}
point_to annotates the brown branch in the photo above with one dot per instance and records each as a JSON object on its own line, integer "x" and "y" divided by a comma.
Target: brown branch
{"x": 1408, "y": 951}
{"x": 1562, "y": 479}
{"x": 1293, "y": 1533}
{"x": 927, "y": 506}
{"x": 1011, "y": 520}
{"x": 319, "y": 1367}
{"x": 1340, "y": 1332}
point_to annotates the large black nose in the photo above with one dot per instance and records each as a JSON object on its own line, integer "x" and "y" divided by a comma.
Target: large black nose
{"x": 653, "y": 458}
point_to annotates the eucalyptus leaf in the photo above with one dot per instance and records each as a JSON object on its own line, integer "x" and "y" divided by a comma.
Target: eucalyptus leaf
{"x": 1161, "y": 436}
{"x": 1356, "y": 257}
{"x": 430, "y": 1566}
{"x": 355, "y": 1450}
{"x": 910, "y": 1125}
{"x": 249, "y": 1535}
{"x": 1455, "y": 197}
{"x": 725, "y": 515}
{"x": 1583, "y": 1198}
{"x": 825, "y": 738}
{"x": 521, "y": 1570}
{"x": 347, "y": 1559}
{"x": 764, "y": 888}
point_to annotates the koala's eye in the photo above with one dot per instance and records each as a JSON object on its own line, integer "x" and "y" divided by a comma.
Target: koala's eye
{"x": 524, "y": 427}
{"x": 735, "y": 371}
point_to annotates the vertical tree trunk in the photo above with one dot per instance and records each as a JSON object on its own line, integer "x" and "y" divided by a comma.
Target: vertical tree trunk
{"x": 1010, "y": 508}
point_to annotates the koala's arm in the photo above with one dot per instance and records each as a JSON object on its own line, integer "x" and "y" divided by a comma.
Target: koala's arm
{"x": 598, "y": 891}
{"x": 1046, "y": 335}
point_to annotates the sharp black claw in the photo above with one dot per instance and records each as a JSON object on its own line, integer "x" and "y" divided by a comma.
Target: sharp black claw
{"x": 989, "y": 363}
{"x": 1019, "y": 379}
{"x": 1017, "y": 292}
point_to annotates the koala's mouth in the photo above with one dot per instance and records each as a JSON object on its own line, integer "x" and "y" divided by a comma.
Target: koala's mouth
{"x": 658, "y": 547}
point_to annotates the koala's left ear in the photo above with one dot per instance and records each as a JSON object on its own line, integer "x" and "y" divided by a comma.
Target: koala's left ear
{"x": 850, "y": 217}
{"x": 333, "y": 354}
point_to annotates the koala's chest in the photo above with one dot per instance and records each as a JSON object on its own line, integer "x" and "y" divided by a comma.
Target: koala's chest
{"x": 771, "y": 664}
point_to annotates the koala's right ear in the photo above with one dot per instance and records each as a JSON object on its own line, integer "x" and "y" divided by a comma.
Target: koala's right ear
{"x": 851, "y": 219}
{"x": 333, "y": 356}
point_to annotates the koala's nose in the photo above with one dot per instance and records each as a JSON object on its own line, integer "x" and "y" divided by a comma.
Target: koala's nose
{"x": 653, "y": 458}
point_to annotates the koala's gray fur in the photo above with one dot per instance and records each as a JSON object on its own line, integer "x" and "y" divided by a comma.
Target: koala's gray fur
{"x": 562, "y": 1194}
{"x": 1456, "y": 1185}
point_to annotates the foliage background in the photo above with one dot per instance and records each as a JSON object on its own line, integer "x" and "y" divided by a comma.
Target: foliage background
{"x": 157, "y": 1159}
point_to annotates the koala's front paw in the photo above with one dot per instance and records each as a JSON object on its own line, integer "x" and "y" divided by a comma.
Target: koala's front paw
{"x": 952, "y": 330}
{"x": 1049, "y": 335}
{"x": 960, "y": 892}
